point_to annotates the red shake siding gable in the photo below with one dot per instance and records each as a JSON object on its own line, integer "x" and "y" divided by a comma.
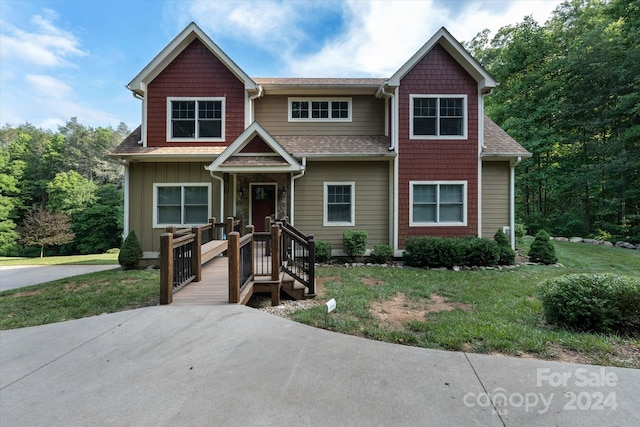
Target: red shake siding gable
{"x": 433, "y": 159}
{"x": 195, "y": 72}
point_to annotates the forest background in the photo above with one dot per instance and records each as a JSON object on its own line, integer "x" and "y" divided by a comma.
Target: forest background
{"x": 569, "y": 92}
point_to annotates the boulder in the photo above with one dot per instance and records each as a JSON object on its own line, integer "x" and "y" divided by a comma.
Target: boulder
{"x": 576, "y": 239}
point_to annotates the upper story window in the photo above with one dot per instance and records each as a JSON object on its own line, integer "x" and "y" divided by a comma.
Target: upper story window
{"x": 320, "y": 109}
{"x": 438, "y": 116}
{"x": 190, "y": 119}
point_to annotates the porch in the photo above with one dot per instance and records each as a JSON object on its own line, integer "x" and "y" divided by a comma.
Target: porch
{"x": 215, "y": 264}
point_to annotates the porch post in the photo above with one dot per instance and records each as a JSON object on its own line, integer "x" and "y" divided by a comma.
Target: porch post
{"x": 196, "y": 256}
{"x": 275, "y": 252}
{"x": 234, "y": 266}
{"x": 166, "y": 268}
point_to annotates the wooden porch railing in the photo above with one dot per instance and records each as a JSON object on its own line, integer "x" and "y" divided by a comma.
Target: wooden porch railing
{"x": 182, "y": 253}
{"x": 298, "y": 255}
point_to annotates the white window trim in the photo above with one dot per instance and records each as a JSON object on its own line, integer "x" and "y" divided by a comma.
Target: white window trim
{"x": 465, "y": 116}
{"x": 326, "y": 221}
{"x": 310, "y": 100}
{"x": 196, "y": 98}
{"x": 182, "y": 185}
{"x": 413, "y": 223}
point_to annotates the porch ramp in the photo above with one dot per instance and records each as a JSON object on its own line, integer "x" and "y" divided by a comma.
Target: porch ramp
{"x": 213, "y": 289}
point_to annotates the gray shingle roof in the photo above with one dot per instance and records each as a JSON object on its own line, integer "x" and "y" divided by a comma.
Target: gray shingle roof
{"x": 498, "y": 143}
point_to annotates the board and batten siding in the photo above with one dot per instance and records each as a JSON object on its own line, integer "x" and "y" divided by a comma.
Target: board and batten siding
{"x": 372, "y": 212}
{"x": 367, "y": 118}
{"x": 495, "y": 197}
{"x": 142, "y": 178}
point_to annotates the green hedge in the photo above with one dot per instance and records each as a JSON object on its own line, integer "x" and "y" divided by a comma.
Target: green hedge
{"x": 441, "y": 252}
{"x": 355, "y": 243}
{"x": 592, "y": 302}
{"x": 323, "y": 251}
{"x": 381, "y": 254}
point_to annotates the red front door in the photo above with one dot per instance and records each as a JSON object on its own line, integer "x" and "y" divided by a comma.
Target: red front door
{"x": 263, "y": 203}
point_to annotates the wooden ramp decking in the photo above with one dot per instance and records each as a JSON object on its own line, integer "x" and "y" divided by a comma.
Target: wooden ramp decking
{"x": 213, "y": 289}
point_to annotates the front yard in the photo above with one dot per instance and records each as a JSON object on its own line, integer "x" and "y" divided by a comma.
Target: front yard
{"x": 491, "y": 311}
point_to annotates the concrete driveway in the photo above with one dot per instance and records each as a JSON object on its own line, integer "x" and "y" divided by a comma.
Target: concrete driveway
{"x": 231, "y": 365}
{"x": 17, "y": 276}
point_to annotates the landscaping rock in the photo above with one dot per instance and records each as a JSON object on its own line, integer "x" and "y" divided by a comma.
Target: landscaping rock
{"x": 591, "y": 241}
{"x": 576, "y": 239}
{"x": 561, "y": 239}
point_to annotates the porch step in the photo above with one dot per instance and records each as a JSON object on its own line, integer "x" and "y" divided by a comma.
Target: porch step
{"x": 293, "y": 288}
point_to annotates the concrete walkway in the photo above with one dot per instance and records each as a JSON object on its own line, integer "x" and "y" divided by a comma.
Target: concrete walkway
{"x": 231, "y": 365}
{"x": 17, "y": 276}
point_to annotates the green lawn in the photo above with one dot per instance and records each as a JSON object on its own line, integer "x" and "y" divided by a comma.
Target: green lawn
{"x": 81, "y": 296}
{"x": 492, "y": 311}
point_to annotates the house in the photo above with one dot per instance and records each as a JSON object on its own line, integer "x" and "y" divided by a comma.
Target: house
{"x": 412, "y": 154}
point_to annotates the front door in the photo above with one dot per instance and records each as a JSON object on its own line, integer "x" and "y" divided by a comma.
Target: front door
{"x": 263, "y": 203}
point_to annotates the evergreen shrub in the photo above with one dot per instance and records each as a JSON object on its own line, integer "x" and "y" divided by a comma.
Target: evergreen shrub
{"x": 130, "y": 253}
{"x": 323, "y": 251}
{"x": 592, "y": 302}
{"x": 507, "y": 255}
{"x": 542, "y": 250}
{"x": 381, "y": 254}
{"x": 355, "y": 243}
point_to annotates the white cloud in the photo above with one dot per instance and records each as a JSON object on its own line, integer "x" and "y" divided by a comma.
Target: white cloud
{"x": 45, "y": 45}
{"x": 383, "y": 35}
{"x": 47, "y": 86}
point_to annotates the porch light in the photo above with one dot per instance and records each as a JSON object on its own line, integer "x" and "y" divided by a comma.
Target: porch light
{"x": 283, "y": 192}
{"x": 241, "y": 193}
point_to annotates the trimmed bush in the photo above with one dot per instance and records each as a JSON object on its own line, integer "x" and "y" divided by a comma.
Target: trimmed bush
{"x": 440, "y": 252}
{"x": 323, "y": 251}
{"x": 355, "y": 243}
{"x": 542, "y": 250}
{"x": 130, "y": 253}
{"x": 592, "y": 302}
{"x": 381, "y": 254}
{"x": 507, "y": 255}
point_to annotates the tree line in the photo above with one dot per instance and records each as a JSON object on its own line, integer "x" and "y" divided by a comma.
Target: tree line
{"x": 60, "y": 190}
{"x": 569, "y": 92}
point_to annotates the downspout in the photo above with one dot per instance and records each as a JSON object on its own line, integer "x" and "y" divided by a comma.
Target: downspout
{"x": 251, "y": 109}
{"x": 142, "y": 130}
{"x": 125, "y": 223}
{"x": 512, "y": 203}
{"x": 292, "y": 196}
{"x": 221, "y": 218}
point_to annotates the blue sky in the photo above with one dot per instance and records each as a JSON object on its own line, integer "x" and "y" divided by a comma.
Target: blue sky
{"x": 73, "y": 58}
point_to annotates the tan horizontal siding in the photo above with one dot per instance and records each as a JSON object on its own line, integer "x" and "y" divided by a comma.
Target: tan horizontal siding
{"x": 371, "y": 198}
{"x": 142, "y": 177}
{"x": 495, "y": 197}
{"x": 367, "y": 111}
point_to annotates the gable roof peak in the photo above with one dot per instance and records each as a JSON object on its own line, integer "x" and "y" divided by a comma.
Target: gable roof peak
{"x": 190, "y": 33}
{"x": 444, "y": 38}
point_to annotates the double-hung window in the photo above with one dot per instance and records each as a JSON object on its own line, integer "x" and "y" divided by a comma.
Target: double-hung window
{"x": 438, "y": 203}
{"x": 320, "y": 109}
{"x": 339, "y": 203}
{"x": 192, "y": 119}
{"x": 181, "y": 204}
{"x": 438, "y": 116}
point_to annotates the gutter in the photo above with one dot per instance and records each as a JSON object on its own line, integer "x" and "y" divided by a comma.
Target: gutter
{"x": 221, "y": 217}
{"x": 141, "y": 98}
{"x": 382, "y": 93}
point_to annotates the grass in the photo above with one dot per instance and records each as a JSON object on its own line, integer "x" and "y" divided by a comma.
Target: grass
{"x": 80, "y": 296}
{"x": 491, "y": 311}
{"x": 94, "y": 259}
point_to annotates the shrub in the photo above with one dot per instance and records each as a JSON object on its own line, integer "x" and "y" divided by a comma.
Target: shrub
{"x": 520, "y": 231}
{"x": 381, "y": 254}
{"x": 542, "y": 249}
{"x": 507, "y": 256}
{"x": 130, "y": 253}
{"x": 592, "y": 302}
{"x": 323, "y": 251}
{"x": 355, "y": 243}
{"x": 440, "y": 252}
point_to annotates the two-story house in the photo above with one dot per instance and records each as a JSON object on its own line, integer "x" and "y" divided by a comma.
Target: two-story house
{"x": 411, "y": 154}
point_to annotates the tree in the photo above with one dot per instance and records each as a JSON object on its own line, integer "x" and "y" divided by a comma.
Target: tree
{"x": 69, "y": 192}
{"x": 8, "y": 198}
{"x": 43, "y": 228}
{"x": 98, "y": 228}
{"x": 542, "y": 250}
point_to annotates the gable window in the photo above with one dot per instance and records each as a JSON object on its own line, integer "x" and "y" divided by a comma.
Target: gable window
{"x": 339, "y": 203}
{"x": 195, "y": 119}
{"x": 320, "y": 109}
{"x": 438, "y": 203}
{"x": 438, "y": 116}
{"x": 181, "y": 204}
